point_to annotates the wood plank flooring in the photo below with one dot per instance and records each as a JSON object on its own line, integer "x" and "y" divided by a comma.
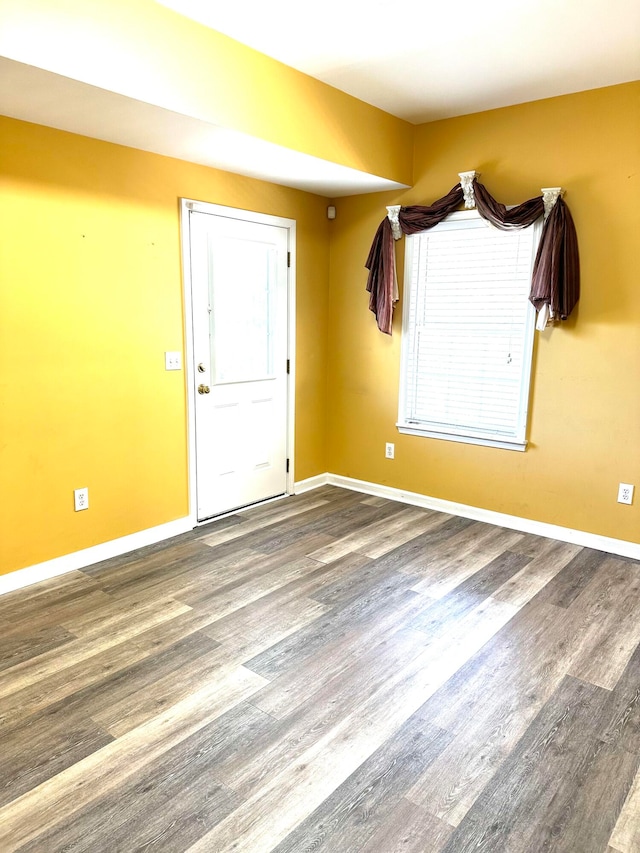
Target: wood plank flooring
{"x": 332, "y": 673}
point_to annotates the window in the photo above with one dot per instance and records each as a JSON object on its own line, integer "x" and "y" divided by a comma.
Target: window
{"x": 468, "y": 332}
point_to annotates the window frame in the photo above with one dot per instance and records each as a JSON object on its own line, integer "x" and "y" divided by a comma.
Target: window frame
{"x": 467, "y": 436}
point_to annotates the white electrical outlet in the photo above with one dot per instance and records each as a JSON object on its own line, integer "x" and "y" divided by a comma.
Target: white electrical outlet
{"x": 625, "y": 493}
{"x": 80, "y": 499}
{"x": 173, "y": 361}
{"x": 390, "y": 450}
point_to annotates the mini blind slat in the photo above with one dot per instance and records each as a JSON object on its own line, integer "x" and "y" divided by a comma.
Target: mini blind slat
{"x": 468, "y": 322}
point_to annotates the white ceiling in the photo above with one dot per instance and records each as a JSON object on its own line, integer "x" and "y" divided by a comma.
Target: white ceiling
{"x": 420, "y": 60}
{"x": 32, "y": 94}
{"x": 429, "y": 59}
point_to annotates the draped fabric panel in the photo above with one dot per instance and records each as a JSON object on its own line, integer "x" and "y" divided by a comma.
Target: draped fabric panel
{"x": 381, "y": 264}
{"x": 419, "y": 218}
{"x": 521, "y": 216}
{"x": 556, "y": 273}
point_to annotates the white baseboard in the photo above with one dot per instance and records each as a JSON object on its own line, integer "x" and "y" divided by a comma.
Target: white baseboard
{"x": 95, "y": 554}
{"x": 310, "y": 483}
{"x": 513, "y": 522}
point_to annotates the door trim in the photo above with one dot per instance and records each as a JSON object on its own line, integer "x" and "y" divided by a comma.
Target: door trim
{"x": 186, "y": 206}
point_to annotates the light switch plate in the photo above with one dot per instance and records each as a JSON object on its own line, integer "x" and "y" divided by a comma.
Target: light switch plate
{"x": 173, "y": 361}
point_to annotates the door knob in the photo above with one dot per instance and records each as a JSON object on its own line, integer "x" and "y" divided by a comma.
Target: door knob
{"x": 203, "y": 389}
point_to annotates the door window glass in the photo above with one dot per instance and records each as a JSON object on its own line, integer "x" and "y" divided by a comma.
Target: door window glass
{"x": 242, "y": 310}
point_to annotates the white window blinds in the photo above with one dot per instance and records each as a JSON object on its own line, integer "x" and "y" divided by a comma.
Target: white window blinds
{"x": 467, "y": 331}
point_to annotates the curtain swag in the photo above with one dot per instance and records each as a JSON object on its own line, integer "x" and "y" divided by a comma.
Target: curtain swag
{"x": 555, "y": 284}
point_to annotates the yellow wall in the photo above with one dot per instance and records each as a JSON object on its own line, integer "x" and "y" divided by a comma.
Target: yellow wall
{"x": 143, "y": 50}
{"x": 585, "y": 411}
{"x": 90, "y": 299}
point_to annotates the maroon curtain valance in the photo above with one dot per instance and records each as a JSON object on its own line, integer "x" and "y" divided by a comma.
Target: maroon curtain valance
{"x": 556, "y": 272}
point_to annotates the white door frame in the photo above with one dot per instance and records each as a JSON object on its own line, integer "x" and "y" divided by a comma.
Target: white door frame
{"x": 186, "y": 206}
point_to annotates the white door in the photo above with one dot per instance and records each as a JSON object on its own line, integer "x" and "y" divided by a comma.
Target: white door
{"x": 240, "y": 320}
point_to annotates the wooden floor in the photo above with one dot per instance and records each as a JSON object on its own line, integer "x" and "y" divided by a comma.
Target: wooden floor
{"x": 330, "y": 672}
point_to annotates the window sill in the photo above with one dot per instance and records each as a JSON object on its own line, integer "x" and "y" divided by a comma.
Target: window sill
{"x": 501, "y": 443}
